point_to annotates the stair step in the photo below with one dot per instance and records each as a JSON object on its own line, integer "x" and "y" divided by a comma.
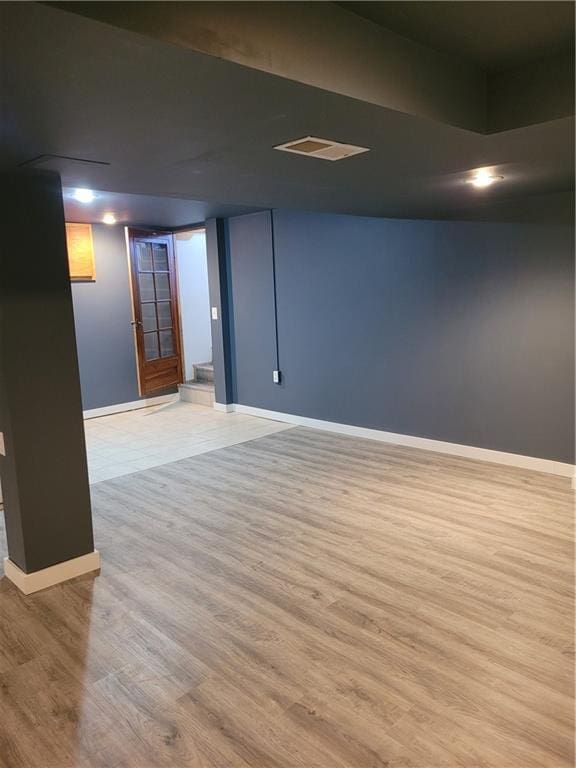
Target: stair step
{"x": 204, "y": 372}
{"x": 199, "y": 393}
{"x": 203, "y": 385}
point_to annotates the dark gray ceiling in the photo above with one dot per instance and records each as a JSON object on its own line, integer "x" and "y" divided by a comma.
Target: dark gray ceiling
{"x": 327, "y": 46}
{"x": 145, "y": 210}
{"x": 494, "y": 35}
{"x": 174, "y": 123}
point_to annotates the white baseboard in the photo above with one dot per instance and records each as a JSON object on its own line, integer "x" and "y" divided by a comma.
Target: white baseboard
{"x": 224, "y": 407}
{"x": 410, "y": 441}
{"x": 146, "y": 402}
{"x": 55, "y": 574}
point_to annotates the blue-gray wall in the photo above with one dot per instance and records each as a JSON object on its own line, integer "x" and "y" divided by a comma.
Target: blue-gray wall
{"x": 457, "y": 331}
{"x": 102, "y": 315}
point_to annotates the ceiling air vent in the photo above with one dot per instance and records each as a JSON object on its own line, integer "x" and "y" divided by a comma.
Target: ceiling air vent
{"x": 325, "y": 149}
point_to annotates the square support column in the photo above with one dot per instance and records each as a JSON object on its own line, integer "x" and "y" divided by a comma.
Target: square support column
{"x": 43, "y": 468}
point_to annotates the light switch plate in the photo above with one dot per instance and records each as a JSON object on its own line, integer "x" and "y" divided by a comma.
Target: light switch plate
{"x": 276, "y": 377}
{"x": 2, "y": 447}
{"x": 214, "y": 313}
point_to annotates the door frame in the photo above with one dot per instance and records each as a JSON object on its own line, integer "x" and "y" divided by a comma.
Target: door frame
{"x": 179, "y": 230}
{"x": 135, "y": 232}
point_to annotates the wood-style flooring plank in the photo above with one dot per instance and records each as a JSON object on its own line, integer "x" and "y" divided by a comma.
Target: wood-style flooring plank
{"x": 304, "y": 600}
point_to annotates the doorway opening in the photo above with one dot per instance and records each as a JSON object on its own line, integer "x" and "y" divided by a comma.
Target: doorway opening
{"x": 172, "y": 324}
{"x": 195, "y": 321}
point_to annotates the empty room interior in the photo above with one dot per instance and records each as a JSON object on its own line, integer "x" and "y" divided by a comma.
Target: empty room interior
{"x": 287, "y": 391}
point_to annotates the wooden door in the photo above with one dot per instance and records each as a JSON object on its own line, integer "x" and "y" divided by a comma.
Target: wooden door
{"x": 156, "y": 321}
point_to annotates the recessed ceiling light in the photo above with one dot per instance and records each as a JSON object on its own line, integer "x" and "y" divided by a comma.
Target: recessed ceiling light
{"x": 324, "y": 149}
{"x": 109, "y": 218}
{"x": 83, "y": 195}
{"x": 483, "y": 178}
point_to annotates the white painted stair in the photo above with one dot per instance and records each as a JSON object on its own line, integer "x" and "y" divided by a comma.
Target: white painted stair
{"x": 204, "y": 372}
{"x": 200, "y": 390}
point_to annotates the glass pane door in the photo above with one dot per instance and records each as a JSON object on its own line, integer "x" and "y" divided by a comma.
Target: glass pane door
{"x": 155, "y": 299}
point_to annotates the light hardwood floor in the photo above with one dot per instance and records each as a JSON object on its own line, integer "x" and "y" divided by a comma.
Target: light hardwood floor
{"x": 304, "y": 600}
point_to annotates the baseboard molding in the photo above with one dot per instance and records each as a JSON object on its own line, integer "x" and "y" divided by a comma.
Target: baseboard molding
{"x": 28, "y": 583}
{"x": 146, "y": 402}
{"x": 223, "y": 407}
{"x": 453, "y": 449}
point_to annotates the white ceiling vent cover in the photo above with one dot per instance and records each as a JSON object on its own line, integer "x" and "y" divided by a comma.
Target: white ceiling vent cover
{"x": 311, "y": 146}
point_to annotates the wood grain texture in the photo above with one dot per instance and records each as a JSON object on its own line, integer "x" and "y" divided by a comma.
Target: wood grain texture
{"x": 304, "y": 600}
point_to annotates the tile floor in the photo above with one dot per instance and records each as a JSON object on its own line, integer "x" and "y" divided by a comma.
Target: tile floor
{"x": 130, "y": 442}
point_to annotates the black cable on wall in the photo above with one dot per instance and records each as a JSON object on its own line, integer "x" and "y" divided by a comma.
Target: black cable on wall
{"x": 273, "y": 240}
